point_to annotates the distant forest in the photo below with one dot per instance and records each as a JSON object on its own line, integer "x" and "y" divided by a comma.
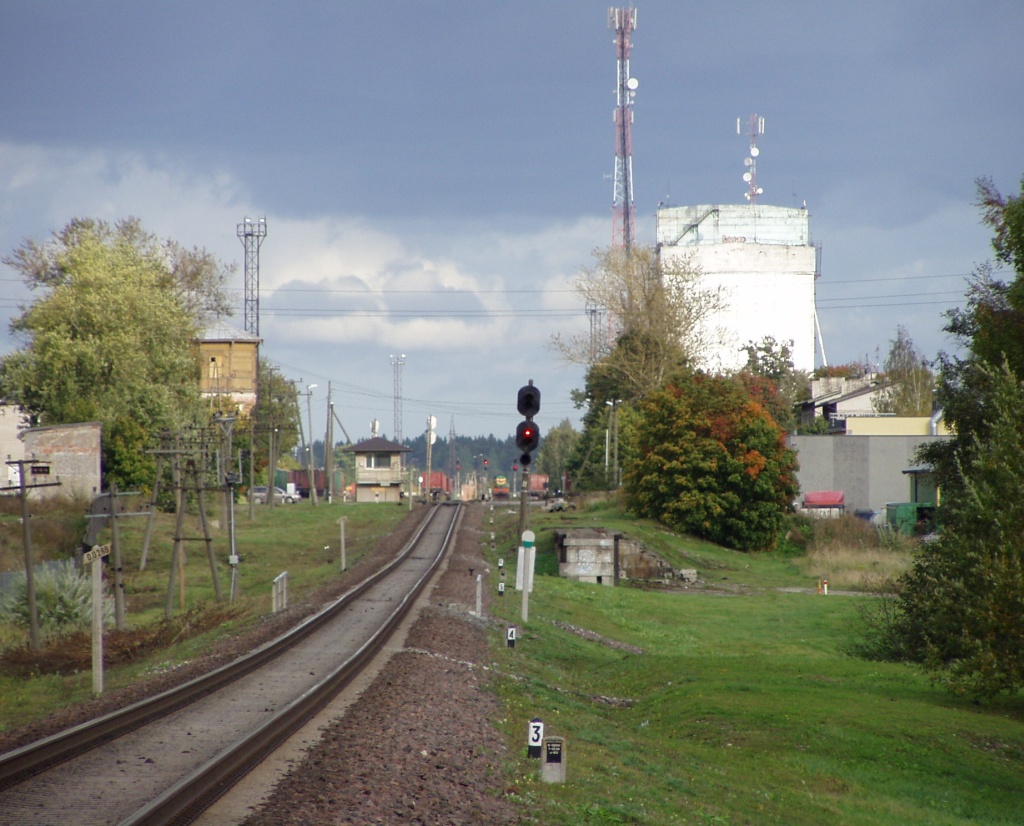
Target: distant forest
{"x": 469, "y": 454}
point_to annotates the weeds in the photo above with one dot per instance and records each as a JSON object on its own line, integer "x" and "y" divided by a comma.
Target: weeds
{"x": 63, "y": 600}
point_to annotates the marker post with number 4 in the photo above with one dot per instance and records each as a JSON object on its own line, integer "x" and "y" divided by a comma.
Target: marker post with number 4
{"x": 95, "y": 558}
{"x": 510, "y": 637}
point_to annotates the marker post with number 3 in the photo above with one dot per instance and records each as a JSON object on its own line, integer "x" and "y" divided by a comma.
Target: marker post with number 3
{"x": 95, "y": 558}
{"x": 535, "y": 738}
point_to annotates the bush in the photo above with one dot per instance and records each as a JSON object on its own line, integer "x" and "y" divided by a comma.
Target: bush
{"x": 797, "y": 535}
{"x": 63, "y": 600}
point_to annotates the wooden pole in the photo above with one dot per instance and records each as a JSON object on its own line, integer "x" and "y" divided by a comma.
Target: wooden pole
{"x": 206, "y": 534}
{"x": 26, "y": 538}
{"x": 115, "y": 541}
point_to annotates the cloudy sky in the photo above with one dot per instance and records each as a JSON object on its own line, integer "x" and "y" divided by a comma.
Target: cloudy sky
{"x": 434, "y": 175}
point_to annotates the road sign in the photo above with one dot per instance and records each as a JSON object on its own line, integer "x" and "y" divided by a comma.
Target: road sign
{"x": 97, "y": 552}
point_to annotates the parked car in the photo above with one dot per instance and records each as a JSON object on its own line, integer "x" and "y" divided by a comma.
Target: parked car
{"x": 259, "y": 496}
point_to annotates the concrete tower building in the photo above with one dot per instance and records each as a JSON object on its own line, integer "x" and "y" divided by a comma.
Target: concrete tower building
{"x": 762, "y": 264}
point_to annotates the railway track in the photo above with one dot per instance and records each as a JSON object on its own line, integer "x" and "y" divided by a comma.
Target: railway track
{"x": 166, "y": 759}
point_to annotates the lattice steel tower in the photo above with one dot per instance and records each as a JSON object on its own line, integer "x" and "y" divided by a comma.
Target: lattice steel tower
{"x": 252, "y": 236}
{"x": 623, "y": 22}
{"x": 396, "y": 365}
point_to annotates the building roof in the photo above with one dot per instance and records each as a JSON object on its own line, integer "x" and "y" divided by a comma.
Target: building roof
{"x": 378, "y": 445}
{"x": 219, "y": 330}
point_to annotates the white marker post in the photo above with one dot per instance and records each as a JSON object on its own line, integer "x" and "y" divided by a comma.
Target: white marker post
{"x": 534, "y": 737}
{"x": 95, "y": 557}
{"x": 510, "y": 637}
{"x": 526, "y": 566}
{"x": 341, "y": 522}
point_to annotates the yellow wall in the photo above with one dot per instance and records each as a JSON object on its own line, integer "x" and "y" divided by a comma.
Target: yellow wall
{"x": 227, "y": 366}
{"x": 893, "y": 426}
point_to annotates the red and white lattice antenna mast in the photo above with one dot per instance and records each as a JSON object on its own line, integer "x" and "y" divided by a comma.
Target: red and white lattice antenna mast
{"x": 623, "y": 22}
{"x": 750, "y": 175}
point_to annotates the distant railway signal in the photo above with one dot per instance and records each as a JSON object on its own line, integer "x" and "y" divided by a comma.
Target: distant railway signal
{"x": 527, "y": 439}
{"x": 527, "y": 433}
{"x": 528, "y": 402}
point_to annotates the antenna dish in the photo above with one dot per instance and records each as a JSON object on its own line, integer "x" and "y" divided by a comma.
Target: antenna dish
{"x": 747, "y": 161}
{"x": 754, "y": 151}
{"x": 747, "y": 176}
{"x": 632, "y": 83}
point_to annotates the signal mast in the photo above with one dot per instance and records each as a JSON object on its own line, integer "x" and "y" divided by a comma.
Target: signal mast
{"x": 623, "y": 22}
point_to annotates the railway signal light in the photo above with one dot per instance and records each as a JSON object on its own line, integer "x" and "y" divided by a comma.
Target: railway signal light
{"x": 527, "y": 439}
{"x": 528, "y": 402}
{"x": 527, "y": 433}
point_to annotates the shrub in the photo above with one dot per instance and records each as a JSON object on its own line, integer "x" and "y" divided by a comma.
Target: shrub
{"x": 63, "y": 600}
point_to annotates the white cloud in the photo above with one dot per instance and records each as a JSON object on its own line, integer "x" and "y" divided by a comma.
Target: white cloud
{"x": 404, "y": 279}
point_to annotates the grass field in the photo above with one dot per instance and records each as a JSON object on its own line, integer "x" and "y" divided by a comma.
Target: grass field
{"x": 300, "y": 539}
{"x": 744, "y": 707}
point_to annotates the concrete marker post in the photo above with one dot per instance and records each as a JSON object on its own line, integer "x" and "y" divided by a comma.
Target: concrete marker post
{"x": 95, "y": 558}
{"x": 526, "y": 565}
{"x": 534, "y": 738}
{"x": 552, "y": 769}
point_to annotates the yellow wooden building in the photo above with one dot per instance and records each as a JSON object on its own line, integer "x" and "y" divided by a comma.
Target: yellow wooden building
{"x": 228, "y": 359}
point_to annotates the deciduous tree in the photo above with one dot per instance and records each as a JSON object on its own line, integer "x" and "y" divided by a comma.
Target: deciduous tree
{"x": 652, "y": 320}
{"x": 909, "y": 380}
{"x": 108, "y": 338}
{"x": 961, "y": 605}
{"x": 712, "y": 462}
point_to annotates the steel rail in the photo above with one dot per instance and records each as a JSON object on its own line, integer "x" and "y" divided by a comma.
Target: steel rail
{"x": 186, "y": 800}
{"x": 33, "y": 758}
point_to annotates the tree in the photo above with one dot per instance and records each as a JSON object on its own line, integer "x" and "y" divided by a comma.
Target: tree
{"x": 767, "y": 359}
{"x": 910, "y": 382}
{"x": 962, "y": 603}
{"x": 109, "y": 338}
{"x": 710, "y": 461}
{"x": 555, "y": 451}
{"x": 960, "y": 606}
{"x": 276, "y": 421}
{"x": 656, "y": 310}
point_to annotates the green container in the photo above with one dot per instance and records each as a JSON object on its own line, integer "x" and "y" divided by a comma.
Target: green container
{"x": 902, "y": 516}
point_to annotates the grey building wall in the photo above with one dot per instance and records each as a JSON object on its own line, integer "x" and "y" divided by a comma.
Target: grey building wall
{"x": 868, "y": 469}
{"x": 73, "y": 452}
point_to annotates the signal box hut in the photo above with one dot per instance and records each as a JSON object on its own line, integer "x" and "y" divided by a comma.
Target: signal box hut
{"x": 378, "y": 470}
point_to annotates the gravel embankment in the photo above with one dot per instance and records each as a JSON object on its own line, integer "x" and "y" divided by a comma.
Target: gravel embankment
{"x": 417, "y": 747}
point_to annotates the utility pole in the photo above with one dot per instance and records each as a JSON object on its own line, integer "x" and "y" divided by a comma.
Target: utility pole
{"x": 38, "y": 469}
{"x": 309, "y": 411}
{"x": 329, "y": 448}
{"x": 431, "y": 436}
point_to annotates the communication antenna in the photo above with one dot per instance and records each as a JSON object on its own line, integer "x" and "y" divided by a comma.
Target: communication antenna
{"x": 750, "y": 162}
{"x": 623, "y": 22}
{"x": 396, "y": 365}
{"x": 252, "y": 235}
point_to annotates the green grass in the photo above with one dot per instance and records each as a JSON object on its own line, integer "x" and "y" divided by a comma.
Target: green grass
{"x": 743, "y": 708}
{"x": 300, "y": 539}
